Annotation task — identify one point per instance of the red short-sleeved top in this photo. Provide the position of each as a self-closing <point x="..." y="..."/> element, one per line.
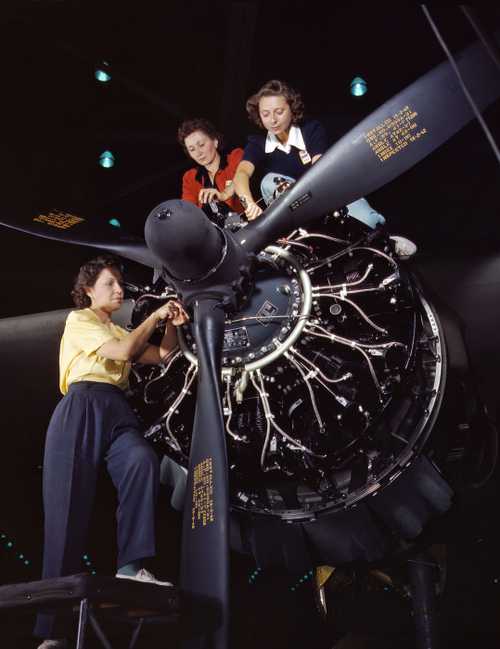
<point x="197" y="178"/>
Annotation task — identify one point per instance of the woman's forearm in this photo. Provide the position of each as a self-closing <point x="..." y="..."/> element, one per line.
<point x="135" y="343"/>
<point x="169" y="342"/>
<point x="228" y="192"/>
<point x="154" y="354"/>
<point x="242" y="186"/>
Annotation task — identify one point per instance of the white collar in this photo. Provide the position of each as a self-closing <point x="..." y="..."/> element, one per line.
<point x="294" y="139"/>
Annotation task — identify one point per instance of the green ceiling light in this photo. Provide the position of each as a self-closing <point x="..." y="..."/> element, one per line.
<point x="107" y="159"/>
<point x="101" y="74"/>
<point x="359" y="87"/>
<point x="115" y="222"/>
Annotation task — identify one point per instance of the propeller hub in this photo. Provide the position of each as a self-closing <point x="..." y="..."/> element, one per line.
<point x="200" y="259"/>
<point x="183" y="238"/>
<point x="270" y="321"/>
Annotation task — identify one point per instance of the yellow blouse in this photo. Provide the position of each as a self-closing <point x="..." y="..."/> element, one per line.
<point x="83" y="334"/>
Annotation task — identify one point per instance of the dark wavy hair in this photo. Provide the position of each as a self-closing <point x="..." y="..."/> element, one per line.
<point x="189" y="126"/>
<point x="87" y="276"/>
<point x="276" y="88"/>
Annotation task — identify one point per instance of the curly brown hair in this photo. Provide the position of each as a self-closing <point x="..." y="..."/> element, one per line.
<point x="276" y="88"/>
<point x="87" y="277"/>
<point x="189" y="126"/>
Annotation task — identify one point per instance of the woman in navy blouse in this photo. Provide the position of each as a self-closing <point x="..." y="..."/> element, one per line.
<point x="288" y="149"/>
<point x="290" y="146"/>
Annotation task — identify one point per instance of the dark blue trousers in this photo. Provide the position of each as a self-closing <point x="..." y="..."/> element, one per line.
<point x="93" y="424"/>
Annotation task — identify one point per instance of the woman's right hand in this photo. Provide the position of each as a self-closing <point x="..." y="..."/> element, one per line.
<point x="207" y="195"/>
<point x="252" y="211"/>
<point x="173" y="311"/>
<point x="163" y="312"/>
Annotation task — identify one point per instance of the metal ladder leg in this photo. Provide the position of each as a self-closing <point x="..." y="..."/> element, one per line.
<point x="99" y="632"/>
<point x="82" y="623"/>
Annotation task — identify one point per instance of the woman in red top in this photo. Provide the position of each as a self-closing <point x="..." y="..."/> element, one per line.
<point x="210" y="183"/>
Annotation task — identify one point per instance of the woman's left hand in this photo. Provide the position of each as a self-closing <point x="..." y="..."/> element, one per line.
<point x="209" y="194"/>
<point x="176" y="313"/>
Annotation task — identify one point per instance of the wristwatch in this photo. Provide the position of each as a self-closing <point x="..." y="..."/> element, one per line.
<point x="243" y="201"/>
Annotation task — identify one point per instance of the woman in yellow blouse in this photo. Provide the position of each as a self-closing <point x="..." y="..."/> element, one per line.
<point x="94" y="425"/>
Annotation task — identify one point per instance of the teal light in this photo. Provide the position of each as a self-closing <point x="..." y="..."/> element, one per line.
<point x="358" y="87"/>
<point x="115" y="222"/>
<point x="102" y="73"/>
<point x="102" y="76"/>
<point x="253" y="576"/>
<point x="9" y="545"/>
<point x="106" y="159"/>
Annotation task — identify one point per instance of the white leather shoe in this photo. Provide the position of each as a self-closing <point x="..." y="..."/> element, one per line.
<point x="403" y="247"/>
<point x="54" y="644"/>
<point x="145" y="577"/>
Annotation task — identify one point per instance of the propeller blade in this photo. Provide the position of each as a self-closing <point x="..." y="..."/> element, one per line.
<point x="384" y="145"/>
<point x="205" y="536"/>
<point x="73" y="228"/>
